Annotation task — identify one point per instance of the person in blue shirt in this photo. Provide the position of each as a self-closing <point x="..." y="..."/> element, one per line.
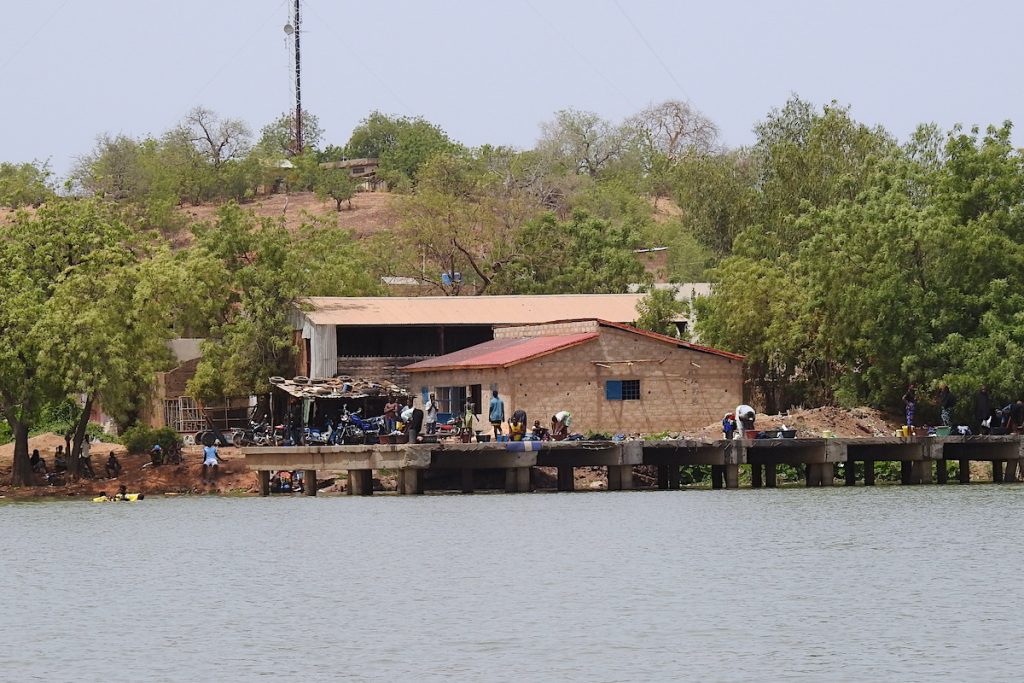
<point x="496" y="413"/>
<point x="211" y="459"/>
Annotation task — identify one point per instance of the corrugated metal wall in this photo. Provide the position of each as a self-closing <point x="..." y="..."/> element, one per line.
<point x="323" y="349"/>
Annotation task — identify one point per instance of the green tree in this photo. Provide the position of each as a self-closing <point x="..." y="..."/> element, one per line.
<point x="25" y="184"/>
<point x="74" y="276"/>
<point x="658" y="310"/>
<point x="255" y="271"/>
<point x="336" y="184"/>
<point x="277" y="139"/>
<point x="401" y="144"/>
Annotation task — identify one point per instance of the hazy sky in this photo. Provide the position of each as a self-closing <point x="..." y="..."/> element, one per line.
<point x="492" y="71"/>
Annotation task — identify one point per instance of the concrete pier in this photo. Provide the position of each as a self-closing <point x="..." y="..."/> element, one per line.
<point x="922" y="460"/>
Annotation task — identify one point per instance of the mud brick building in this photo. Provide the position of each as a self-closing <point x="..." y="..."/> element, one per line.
<point x="614" y="378"/>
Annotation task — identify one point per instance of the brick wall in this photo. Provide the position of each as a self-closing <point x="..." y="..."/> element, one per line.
<point x="378" y="368"/>
<point x="681" y="389"/>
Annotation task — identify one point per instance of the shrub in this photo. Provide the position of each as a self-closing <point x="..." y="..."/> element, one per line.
<point x="140" y="438"/>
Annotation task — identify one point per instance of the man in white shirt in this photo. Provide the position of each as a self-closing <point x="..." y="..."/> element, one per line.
<point x="431" y="411"/>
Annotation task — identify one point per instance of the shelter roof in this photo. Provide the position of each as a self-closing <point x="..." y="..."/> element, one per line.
<point x="342" y="386"/>
<point x="469" y="310"/>
<point x="501" y="353"/>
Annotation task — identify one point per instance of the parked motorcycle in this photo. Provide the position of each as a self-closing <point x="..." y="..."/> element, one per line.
<point x="312" y="436"/>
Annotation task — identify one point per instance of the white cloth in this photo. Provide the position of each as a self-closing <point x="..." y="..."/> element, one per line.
<point x="210" y="455"/>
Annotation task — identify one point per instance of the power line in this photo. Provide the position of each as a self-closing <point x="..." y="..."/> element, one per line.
<point x="651" y="49"/>
<point x="231" y="58"/>
<point x="358" y="55"/>
<point x="17" y="50"/>
<point x="563" y="38"/>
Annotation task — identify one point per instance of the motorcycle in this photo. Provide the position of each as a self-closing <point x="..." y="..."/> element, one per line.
<point x="312" y="436"/>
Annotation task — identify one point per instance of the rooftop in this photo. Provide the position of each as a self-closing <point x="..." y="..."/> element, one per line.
<point x="469" y="310"/>
<point x="501" y="353"/>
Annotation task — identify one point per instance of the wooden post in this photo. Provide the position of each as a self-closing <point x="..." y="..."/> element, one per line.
<point x="673" y="477"/>
<point x="997" y="471"/>
<point x="264" y="481"/>
<point x="566" y="478"/>
<point x="965" y="471"/>
<point x="467" y="480"/>
<point x="771" y="475"/>
<point x="732" y="476"/>
<point x="755" y="476"/>
<point x="662" y="476"/>
<point x="360" y="482"/>
<point x="620" y="477"/>
<point x="941" y="472"/>
<point x="409" y="482"/>
<point x="309" y="482"/>
<point x="850" y="473"/>
<point x="517" y="479"/>
<point x="869" y="472"/>
<point x="717" y="476"/>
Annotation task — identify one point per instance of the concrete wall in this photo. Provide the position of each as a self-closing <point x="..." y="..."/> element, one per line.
<point x="681" y="389"/>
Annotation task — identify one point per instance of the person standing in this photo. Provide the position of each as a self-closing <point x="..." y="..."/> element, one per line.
<point x="909" y="403"/>
<point x="469" y="420"/>
<point x="414" y="422"/>
<point x="113" y="466"/>
<point x="983" y="411"/>
<point x="390" y="414"/>
<point x="496" y="413"/>
<point x="946" y="402"/>
<point x="431" y="415"/>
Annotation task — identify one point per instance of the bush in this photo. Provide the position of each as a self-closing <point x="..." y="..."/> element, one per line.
<point x="140" y="438"/>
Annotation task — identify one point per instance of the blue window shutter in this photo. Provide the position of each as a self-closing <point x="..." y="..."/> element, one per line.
<point x="613" y="390"/>
<point x="426" y="394"/>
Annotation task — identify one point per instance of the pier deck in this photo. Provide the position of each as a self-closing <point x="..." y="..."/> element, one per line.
<point x="920" y="457"/>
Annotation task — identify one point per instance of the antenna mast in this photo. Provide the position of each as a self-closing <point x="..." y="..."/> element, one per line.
<point x="298" y="86"/>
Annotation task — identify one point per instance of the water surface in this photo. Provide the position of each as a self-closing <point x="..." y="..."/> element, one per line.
<point x="889" y="583"/>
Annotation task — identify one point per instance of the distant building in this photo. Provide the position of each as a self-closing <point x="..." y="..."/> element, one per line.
<point x="363" y="170"/>
<point x="613" y="378"/>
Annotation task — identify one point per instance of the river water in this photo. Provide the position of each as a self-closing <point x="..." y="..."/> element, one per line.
<point x="887" y="583"/>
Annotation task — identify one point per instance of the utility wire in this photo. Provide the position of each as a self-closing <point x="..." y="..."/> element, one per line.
<point x="231" y="58"/>
<point x="17" y="50"/>
<point x="583" y="58"/>
<point x="651" y="49"/>
<point x="358" y="55"/>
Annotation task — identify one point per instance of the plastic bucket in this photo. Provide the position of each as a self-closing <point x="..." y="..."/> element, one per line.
<point x="905" y="430"/>
<point x="943" y="431"/>
<point x="750" y="433"/>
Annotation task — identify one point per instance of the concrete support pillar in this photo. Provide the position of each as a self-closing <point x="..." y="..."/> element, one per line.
<point x="662" y="476"/>
<point x="263" y="476"/>
<point x="921" y="472"/>
<point x="732" y="476"/>
<point x="360" y="483"/>
<point x="821" y="474"/>
<point x="850" y="473"/>
<point x="771" y="475"/>
<point x="410" y="482"/>
<point x="755" y="476"/>
<point x="566" y="478"/>
<point x="309" y="482"/>
<point x="717" y="476"/>
<point x="941" y="472"/>
<point x="517" y="479"/>
<point x="869" y="472"/>
<point x="467" y="480"/>
<point x="997" y="471"/>
<point x="906" y="469"/>
<point x="620" y="477"/>
<point x="673" y="477"/>
<point x="965" y="471"/>
<point x="1011" y="470"/>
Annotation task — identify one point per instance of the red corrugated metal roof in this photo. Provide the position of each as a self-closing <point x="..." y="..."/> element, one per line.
<point x="501" y="353"/>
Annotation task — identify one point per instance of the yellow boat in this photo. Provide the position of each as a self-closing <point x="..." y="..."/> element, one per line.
<point x="117" y="498"/>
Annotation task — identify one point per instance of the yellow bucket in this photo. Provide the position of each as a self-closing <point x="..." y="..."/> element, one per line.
<point x="906" y="431"/>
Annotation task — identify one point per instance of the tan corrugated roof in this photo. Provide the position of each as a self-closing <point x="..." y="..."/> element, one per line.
<point x="470" y="310"/>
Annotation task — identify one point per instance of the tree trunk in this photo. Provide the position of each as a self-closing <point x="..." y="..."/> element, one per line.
<point x="21" y="473"/>
<point x="78" y="437"/>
